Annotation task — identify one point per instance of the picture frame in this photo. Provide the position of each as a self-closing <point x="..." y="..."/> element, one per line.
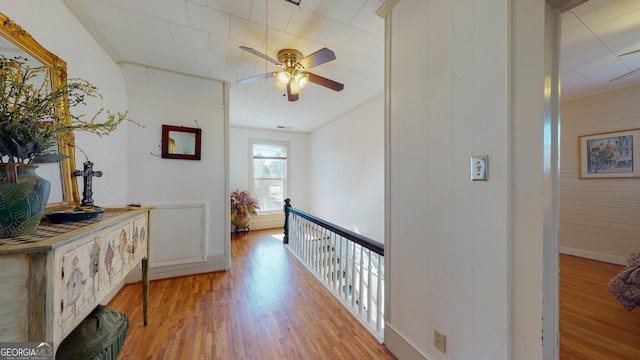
<point x="610" y="155"/>
<point x="180" y="142"/>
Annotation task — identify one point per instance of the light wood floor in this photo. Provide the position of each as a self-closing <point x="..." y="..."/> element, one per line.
<point x="269" y="307"/>
<point x="593" y="324"/>
<point x="266" y="307"/>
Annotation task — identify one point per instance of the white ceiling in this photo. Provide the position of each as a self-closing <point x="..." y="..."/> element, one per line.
<point x="202" y="38"/>
<point x="594" y="35"/>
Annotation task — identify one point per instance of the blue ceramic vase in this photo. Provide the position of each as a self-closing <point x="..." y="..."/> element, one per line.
<point x="22" y="203"/>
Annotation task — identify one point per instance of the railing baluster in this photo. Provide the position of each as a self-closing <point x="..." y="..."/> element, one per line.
<point x="352" y="283"/>
<point x="340" y="265"/>
<point x="334" y="261"/>
<point x="369" y="286"/>
<point x="379" y="300"/>
<point x="325" y="257"/>
<point x="361" y="281"/>
<point x="316" y="249"/>
<point x="349" y="265"/>
<point x="347" y="272"/>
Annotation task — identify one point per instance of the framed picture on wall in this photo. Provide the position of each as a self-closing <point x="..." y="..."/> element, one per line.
<point x="610" y="155"/>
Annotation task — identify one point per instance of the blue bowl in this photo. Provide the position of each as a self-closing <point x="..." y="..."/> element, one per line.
<point x="77" y="214"/>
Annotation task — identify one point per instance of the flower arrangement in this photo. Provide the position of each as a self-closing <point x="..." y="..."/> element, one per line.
<point x="32" y="122"/>
<point x="243" y="204"/>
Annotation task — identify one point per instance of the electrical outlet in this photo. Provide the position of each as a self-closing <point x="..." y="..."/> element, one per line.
<point x="440" y="340"/>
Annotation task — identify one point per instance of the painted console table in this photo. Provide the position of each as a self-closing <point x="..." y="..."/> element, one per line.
<point x="51" y="280"/>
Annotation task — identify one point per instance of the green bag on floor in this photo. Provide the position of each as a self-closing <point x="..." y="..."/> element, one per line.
<point x="100" y="336"/>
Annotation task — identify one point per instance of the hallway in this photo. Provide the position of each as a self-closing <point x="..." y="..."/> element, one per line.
<point x="268" y="306"/>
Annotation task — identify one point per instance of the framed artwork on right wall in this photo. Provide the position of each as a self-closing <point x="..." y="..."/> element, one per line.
<point x="610" y="155"/>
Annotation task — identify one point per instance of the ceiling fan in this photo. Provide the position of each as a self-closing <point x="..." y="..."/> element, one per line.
<point x="293" y="75"/>
<point x="629" y="73"/>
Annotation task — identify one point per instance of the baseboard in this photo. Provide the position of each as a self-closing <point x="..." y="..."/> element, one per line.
<point x="115" y="290"/>
<point x="400" y="347"/>
<point x="613" y="259"/>
<point x="267" y="221"/>
<point x="214" y="262"/>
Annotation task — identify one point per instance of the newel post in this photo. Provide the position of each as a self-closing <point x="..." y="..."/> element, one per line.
<point x="287" y="206"/>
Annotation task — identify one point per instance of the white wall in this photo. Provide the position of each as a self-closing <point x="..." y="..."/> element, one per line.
<point x="298" y="167"/>
<point x="347" y="170"/>
<point x="598" y="217"/>
<point x="337" y="171"/>
<point x="463" y="82"/>
<point x="156" y="98"/>
<point x="65" y="37"/>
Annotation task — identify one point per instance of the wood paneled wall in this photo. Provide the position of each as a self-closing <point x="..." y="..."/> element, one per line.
<point x="599" y="218"/>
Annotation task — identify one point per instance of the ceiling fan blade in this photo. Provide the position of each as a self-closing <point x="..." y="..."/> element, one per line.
<point x="323" y="81"/>
<point x="630" y="52"/>
<point x="258" y="53"/>
<point x="317" y="58"/>
<point x="625" y="75"/>
<point x="255" y="78"/>
<point x="291" y="97"/>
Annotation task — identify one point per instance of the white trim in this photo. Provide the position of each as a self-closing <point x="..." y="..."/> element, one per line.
<point x="216" y="262"/>
<point x="551" y="197"/>
<point x="204" y="243"/>
<point x="387" y="166"/>
<point x="400" y="346"/>
<point x="593" y="255"/>
<point x="227" y="156"/>
<point x="386" y="8"/>
<point x="84" y="19"/>
<point x="287" y="180"/>
<point x="267" y="221"/>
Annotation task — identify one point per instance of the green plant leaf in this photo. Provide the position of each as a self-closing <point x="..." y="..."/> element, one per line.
<point x="48" y="158"/>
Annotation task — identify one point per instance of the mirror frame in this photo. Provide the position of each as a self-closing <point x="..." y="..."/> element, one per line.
<point x="58" y="73"/>
<point x="165" y="142"/>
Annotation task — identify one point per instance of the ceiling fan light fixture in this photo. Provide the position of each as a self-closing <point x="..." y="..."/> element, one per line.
<point x="294" y="87"/>
<point x="283" y="77"/>
<point x="302" y="80"/>
<point x="282" y="87"/>
<point x="293" y="75"/>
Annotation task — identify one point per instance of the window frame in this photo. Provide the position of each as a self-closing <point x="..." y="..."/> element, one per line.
<point x="287" y="179"/>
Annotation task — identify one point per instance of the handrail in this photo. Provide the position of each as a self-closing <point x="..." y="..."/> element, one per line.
<point x="349" y="265"/>
<point x="364" y="241"/>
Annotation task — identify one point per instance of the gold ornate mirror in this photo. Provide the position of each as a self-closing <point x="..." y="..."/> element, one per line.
<point x="17" y="42"/>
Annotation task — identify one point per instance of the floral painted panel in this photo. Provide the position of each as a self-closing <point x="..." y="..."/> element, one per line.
<point x="80" y="279"/>
<point x="138" y="245"/>
<point x="116" y="258"/>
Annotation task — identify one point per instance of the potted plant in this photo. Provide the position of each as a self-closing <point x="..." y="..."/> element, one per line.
<point x="243" y="205"/>
<point x="33" y="123"/>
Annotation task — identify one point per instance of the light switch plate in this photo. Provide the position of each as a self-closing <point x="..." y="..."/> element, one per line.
<point x="480" y="168"/>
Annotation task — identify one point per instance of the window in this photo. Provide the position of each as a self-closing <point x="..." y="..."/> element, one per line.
<point x="269" y="173"/>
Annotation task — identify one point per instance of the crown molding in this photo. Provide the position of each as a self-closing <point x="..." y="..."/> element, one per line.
<point x="386" y="8"/>
<point x="81" y="15"/>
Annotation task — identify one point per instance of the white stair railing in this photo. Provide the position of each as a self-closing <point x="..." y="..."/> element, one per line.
<point x="349" y="265"/>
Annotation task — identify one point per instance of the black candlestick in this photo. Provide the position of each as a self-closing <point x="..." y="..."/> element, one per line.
<point x="88" y="175"/>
